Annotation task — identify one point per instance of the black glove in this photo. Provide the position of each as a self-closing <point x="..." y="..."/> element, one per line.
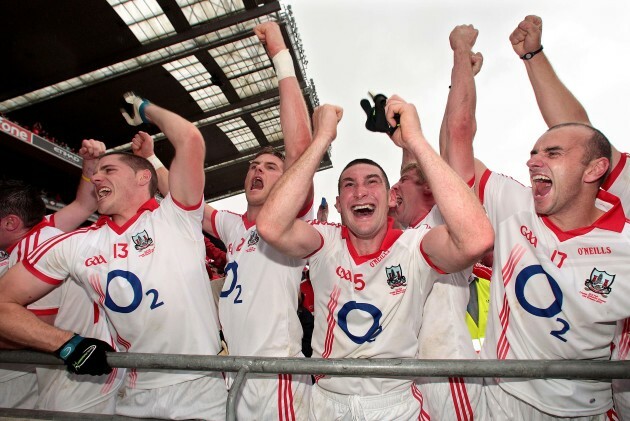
<point x="376" y="119"/>
<point x="85" y="355"/>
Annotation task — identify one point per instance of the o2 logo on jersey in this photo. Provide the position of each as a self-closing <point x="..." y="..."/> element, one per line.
<point x="547" y="312"/>
<point x="368" y="309"/>
<point x="231" y="281"/>
<point x="127" y="282"/>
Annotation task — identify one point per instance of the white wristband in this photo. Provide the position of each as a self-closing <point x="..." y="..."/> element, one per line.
<point x="157" y="164"/>
<point x="283" y="63"/>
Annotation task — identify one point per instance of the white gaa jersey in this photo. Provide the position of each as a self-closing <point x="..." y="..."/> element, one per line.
<point x="149" y="276"/>
<point x="368" y="306"/>
<point x="258" y="304"/>
<point x="58" y="388"/>
<point x="444" y="335"/>
<point x="618" y="182"/>
<point x="45" y="306"/>
<point x="554" y="294"/>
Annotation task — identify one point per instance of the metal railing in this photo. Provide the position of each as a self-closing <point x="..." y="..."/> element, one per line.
<point x="559" y="369"/>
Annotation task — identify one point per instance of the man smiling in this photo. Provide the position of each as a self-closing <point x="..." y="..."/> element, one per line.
<point x="371" y="280"/>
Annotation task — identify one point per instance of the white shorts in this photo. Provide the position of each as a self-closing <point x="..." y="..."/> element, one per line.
<point x="202" y="398"/>
<point x="400" y="406"/>
<point x="505" y="407"/>
<point x="621" y="396"/>
<point x="274" y="397"/>
<point x="20" y="392"/>
<point x="453" y="398"/>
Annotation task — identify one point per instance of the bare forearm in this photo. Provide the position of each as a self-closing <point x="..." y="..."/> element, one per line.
<point x="285" y="200"/>
<point x="557" y="104"/>
<point x="294" y="119"/>
<point x="22" y="328"/>
<point x="457" y="203"/>
<point x="460" y="124"/>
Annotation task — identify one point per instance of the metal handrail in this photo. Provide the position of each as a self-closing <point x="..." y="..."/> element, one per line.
<point x="557" y="369"/>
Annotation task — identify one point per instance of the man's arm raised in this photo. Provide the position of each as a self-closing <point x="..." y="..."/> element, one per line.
<point x="459" y="124"/>
<point x="467" y="233"/>
<point x="277" y="222"/>
<point x="74" y="214"/>
<point x="294" y="118"/>
<point x="556" y="103"/>
<point x="186" y="177"/>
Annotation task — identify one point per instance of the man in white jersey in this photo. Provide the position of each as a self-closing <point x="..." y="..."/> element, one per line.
<point x="371" y="280"/>
<point x="67" y="307"/>
<point x="559" y="245"/>
<point x="444" y="333"/>
<point x="259" y="300"/>
<point x="558" y="105"/>
<point x="144" y="263"/>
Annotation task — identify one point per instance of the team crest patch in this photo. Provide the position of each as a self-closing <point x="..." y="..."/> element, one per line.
<point x="600" y="282"/>
<point x="3" y="255"/>
<point x="395" y="277"/>
<point x="253" y="238"/>
<point x="142" y="240"/>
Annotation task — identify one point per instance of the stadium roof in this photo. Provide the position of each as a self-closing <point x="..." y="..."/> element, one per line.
<point x="67" y="65"/>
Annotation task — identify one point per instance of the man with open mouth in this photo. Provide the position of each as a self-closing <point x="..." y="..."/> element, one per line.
<point x="370" y="279"/>
<point x="560" y="246"/>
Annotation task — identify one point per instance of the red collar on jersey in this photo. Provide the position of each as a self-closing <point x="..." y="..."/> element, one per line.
<point x="149" y="205"/>
<point x="613" y="220"/>
<point x="44" y="223"/>
<point x="615" y="172"/>
<point x="248" y="224"/>
<point x="391" y="236"/>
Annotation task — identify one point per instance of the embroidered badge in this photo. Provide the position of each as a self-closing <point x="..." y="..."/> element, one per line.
<point x="395" y="277"/>
<point x="600" y="282"/>
<point x="142" y="240"/>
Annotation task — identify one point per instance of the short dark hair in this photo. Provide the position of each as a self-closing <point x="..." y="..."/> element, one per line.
<point x="23" y="200"/>
<point x="138" y="163"/>
<point x="596" y="146"/>
<point x="271" y="151"/>
<point x="362" y="161"/>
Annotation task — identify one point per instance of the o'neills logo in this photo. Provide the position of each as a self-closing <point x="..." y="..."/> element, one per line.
<point x="16" y="131"/>
<point x="66" y="154"/>
<point x="594" y="250"/>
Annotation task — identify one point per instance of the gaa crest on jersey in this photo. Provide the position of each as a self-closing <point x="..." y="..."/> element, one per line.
<point x="395" y="277"/>
<point x="253" y="238"/>
<point x="3" y="256"/>
<point x="600" y="282"/>
<point x="142" y="240"/>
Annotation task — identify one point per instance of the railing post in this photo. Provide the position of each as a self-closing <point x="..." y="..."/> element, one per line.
<point x="230" y="412"/>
